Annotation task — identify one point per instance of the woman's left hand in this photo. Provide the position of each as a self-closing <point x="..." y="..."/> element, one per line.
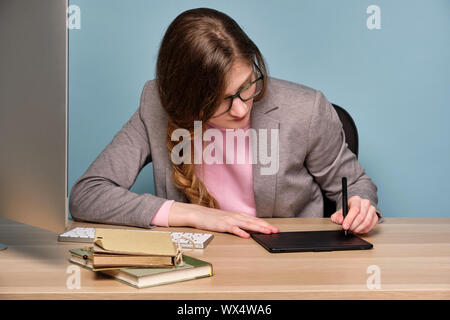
<point x="361" y="217"/>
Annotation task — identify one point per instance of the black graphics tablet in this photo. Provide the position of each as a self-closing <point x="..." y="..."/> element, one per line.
<point x="299" y="241"/>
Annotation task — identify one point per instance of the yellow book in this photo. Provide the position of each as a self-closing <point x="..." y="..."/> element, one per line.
<point x="134" y="242"/>
<point x="100" y="260"/>
<point x="120" y="248"/>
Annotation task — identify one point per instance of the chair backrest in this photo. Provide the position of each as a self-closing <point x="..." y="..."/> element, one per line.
<point x="351" y="137"/>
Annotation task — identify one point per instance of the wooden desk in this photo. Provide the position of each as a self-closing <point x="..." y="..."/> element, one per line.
<point x="413" y="255"/>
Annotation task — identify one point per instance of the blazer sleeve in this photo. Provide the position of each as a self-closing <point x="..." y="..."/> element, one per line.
<point x="328" y="158"/>
<point x="102" y="193"/>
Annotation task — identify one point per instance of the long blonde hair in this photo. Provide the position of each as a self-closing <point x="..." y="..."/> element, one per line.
<point x="195" y="56"/>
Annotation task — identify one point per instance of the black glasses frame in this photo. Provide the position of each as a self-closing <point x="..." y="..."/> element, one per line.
<point x="238" y="94"/>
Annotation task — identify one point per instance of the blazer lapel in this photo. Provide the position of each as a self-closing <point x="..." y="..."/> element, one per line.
<point x="264" y="186"/>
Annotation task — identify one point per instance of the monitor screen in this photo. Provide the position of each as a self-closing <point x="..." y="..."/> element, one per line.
<point x="33" y="112"/>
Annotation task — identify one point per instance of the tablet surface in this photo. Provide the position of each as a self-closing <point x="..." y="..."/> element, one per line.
<point x="310" y="241"/>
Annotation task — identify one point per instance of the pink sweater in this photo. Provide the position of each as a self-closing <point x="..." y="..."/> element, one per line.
<point x="230" y="184"/>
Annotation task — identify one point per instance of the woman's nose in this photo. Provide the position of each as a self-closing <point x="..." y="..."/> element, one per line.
<point x="239" y="108"/>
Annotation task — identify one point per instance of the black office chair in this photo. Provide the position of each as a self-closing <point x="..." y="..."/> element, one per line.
<point x="351" y="137"/>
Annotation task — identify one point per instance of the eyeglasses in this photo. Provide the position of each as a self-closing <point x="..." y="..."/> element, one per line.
<point x="247" y="93"/>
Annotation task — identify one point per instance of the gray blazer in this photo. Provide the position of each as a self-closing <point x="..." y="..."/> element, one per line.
<point x="313" y="154"/>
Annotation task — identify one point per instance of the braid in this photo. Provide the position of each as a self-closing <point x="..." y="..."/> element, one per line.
<point x="185" y="178"/>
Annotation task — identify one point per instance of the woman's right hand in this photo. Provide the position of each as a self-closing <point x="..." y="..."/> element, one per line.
<point x="200" y="217"/>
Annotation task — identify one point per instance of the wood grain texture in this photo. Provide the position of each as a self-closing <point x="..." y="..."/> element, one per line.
<point x="413" y="255"/>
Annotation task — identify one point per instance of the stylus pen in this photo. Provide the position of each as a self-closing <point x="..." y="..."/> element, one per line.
<point x="344" y="200"/>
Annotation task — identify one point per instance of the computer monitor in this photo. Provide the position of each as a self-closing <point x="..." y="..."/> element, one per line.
<point x="33" y="112"/>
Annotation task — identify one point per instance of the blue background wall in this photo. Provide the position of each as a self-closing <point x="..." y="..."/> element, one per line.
<point x="394" y="81"/>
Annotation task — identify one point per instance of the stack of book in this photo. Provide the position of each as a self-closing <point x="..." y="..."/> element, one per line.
<point x="139" y="258"/>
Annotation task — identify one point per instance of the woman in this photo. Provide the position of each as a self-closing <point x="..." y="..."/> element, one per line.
<point x="211" y="80"/>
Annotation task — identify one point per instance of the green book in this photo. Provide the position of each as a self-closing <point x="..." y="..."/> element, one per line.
<point x="147" y="277"/>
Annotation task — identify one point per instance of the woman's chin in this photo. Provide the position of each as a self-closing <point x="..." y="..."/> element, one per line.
<point x="232" y="123"/>
<point x="237" y="124"/>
